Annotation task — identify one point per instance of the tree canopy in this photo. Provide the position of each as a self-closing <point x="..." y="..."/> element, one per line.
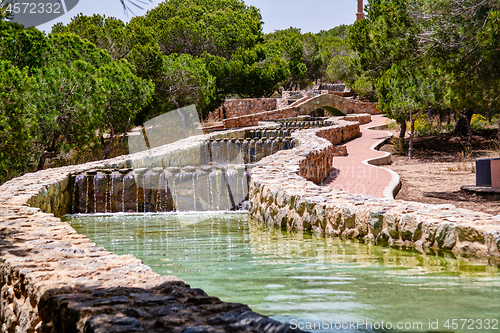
<point x="423" y="54"/>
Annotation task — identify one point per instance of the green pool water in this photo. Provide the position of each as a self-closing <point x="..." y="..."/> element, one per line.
<point x="308" y="281"/>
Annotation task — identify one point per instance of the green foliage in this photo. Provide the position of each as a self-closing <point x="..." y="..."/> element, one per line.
<point x="385" y="38"/>
<point x="225" y="34"/>
<point x="126" y="95"/>
<point x="107" y="33"/>
<point x="250" y="73"/>
<point x="333" y="43"/>
<point x="423" y="125"/>
<point x="478" y="122"/>
<point x="287" y="45"/>
<point x="185" y="80"/>
<point x="364" y="86"/>
<point x="341" y="32"/>
<point x="218" y="27"/>
<point x="17" y="125"/>
<point x="342" y="68"/>
<point x="22" y="47"/>
<point x="179" y="80"/>
<point x="69" y="103"/>
<point x="68" y="47"/>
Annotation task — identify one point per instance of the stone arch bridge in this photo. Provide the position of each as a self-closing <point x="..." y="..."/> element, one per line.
<point x="331" y="103"/>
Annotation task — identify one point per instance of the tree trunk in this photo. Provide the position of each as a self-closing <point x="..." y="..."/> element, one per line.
<point x="402" y="133"/>
<point x="498" y="128"/>
<point x="469" y="132"/>
<point x="43" y="158"/>
<point x="48" y="154"/>
<point x="108" y="147"/>
<point x="412" y="132"/>
<point x="463" y="123"/>
<point x="145" y="135"/>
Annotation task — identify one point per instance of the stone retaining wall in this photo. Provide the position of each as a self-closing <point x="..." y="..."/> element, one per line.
<point x="283" y="193"/>
<point x="318" y="164"/>
<point x="361" y="118"/>
<point x="232" y="108"/>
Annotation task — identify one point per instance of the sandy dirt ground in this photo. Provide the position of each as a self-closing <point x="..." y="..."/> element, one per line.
<point x="440" y="168"/>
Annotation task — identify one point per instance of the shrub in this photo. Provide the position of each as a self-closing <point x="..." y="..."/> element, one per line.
<point x="423" y="125"/>
<point x="478" y="122"/>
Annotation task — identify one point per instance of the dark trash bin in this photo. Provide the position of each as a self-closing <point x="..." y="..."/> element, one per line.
<point x="483" y="171"/>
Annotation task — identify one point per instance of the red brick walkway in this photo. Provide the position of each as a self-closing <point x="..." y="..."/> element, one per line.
<point x="353" y="174"/>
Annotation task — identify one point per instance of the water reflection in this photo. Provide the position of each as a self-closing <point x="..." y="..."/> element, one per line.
<point x="299" y="276"/>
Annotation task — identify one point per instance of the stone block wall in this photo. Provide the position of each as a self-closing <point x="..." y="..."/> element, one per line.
<point x="254" y="119"/>
<point x="346" y="105"/>
<point x="240" y="107"/>
<point x="283" y="193"/>
<point x="361" y="118"/>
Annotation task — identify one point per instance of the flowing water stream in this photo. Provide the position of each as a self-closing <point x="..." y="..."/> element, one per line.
<point x="306" y="280"/>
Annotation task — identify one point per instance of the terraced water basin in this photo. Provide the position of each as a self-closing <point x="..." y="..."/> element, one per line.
<point x="310" y="281"/>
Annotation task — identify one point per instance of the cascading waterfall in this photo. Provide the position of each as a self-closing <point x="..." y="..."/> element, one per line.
<point x="123" y="192"/>
<point x="217" y="188"/>
<point x="136" y="194"/>
<point x="144" y="188"/>
<point x="174" y="172"/>
<point x="267" y="147"/>
<point x="221" y="185"/>
<point x="193" y="177"/>
<point x="210" y="189"/>
<point x="87" y="196"/>
<point x="159" y="207"/>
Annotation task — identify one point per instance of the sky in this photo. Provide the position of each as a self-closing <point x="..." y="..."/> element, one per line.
<point x="309" y="16"/>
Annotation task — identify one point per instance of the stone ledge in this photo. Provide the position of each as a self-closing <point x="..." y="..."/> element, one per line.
<point x="284" y="194"/>
<point x="480" y="189"/>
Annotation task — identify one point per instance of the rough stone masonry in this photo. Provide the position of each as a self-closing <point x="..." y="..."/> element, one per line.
<point x="284" y="193"/>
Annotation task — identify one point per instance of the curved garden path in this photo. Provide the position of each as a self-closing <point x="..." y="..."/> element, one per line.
<point x="358" y="171"/>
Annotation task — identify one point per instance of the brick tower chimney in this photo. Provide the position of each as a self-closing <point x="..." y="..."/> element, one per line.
<point x="360" y="15"/>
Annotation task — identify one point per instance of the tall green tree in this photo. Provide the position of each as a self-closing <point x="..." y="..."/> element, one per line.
<point x="126" y="95"/>
<point x="68" y="47"/>
<point x="218" y="27"/>
<point x="287" y="44"/>
<point x="107" y="33"/>
<point x="69" y="102"/>
<point x="17" y="121"/>
<point x="22" y="47"/>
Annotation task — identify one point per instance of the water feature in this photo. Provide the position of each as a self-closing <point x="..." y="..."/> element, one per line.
<point x="303" y="278"/>
<point x="206" y="188"/>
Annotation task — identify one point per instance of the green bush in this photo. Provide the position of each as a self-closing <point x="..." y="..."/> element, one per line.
<point x="478" y="122"/>
<point x="423" y="125"/>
